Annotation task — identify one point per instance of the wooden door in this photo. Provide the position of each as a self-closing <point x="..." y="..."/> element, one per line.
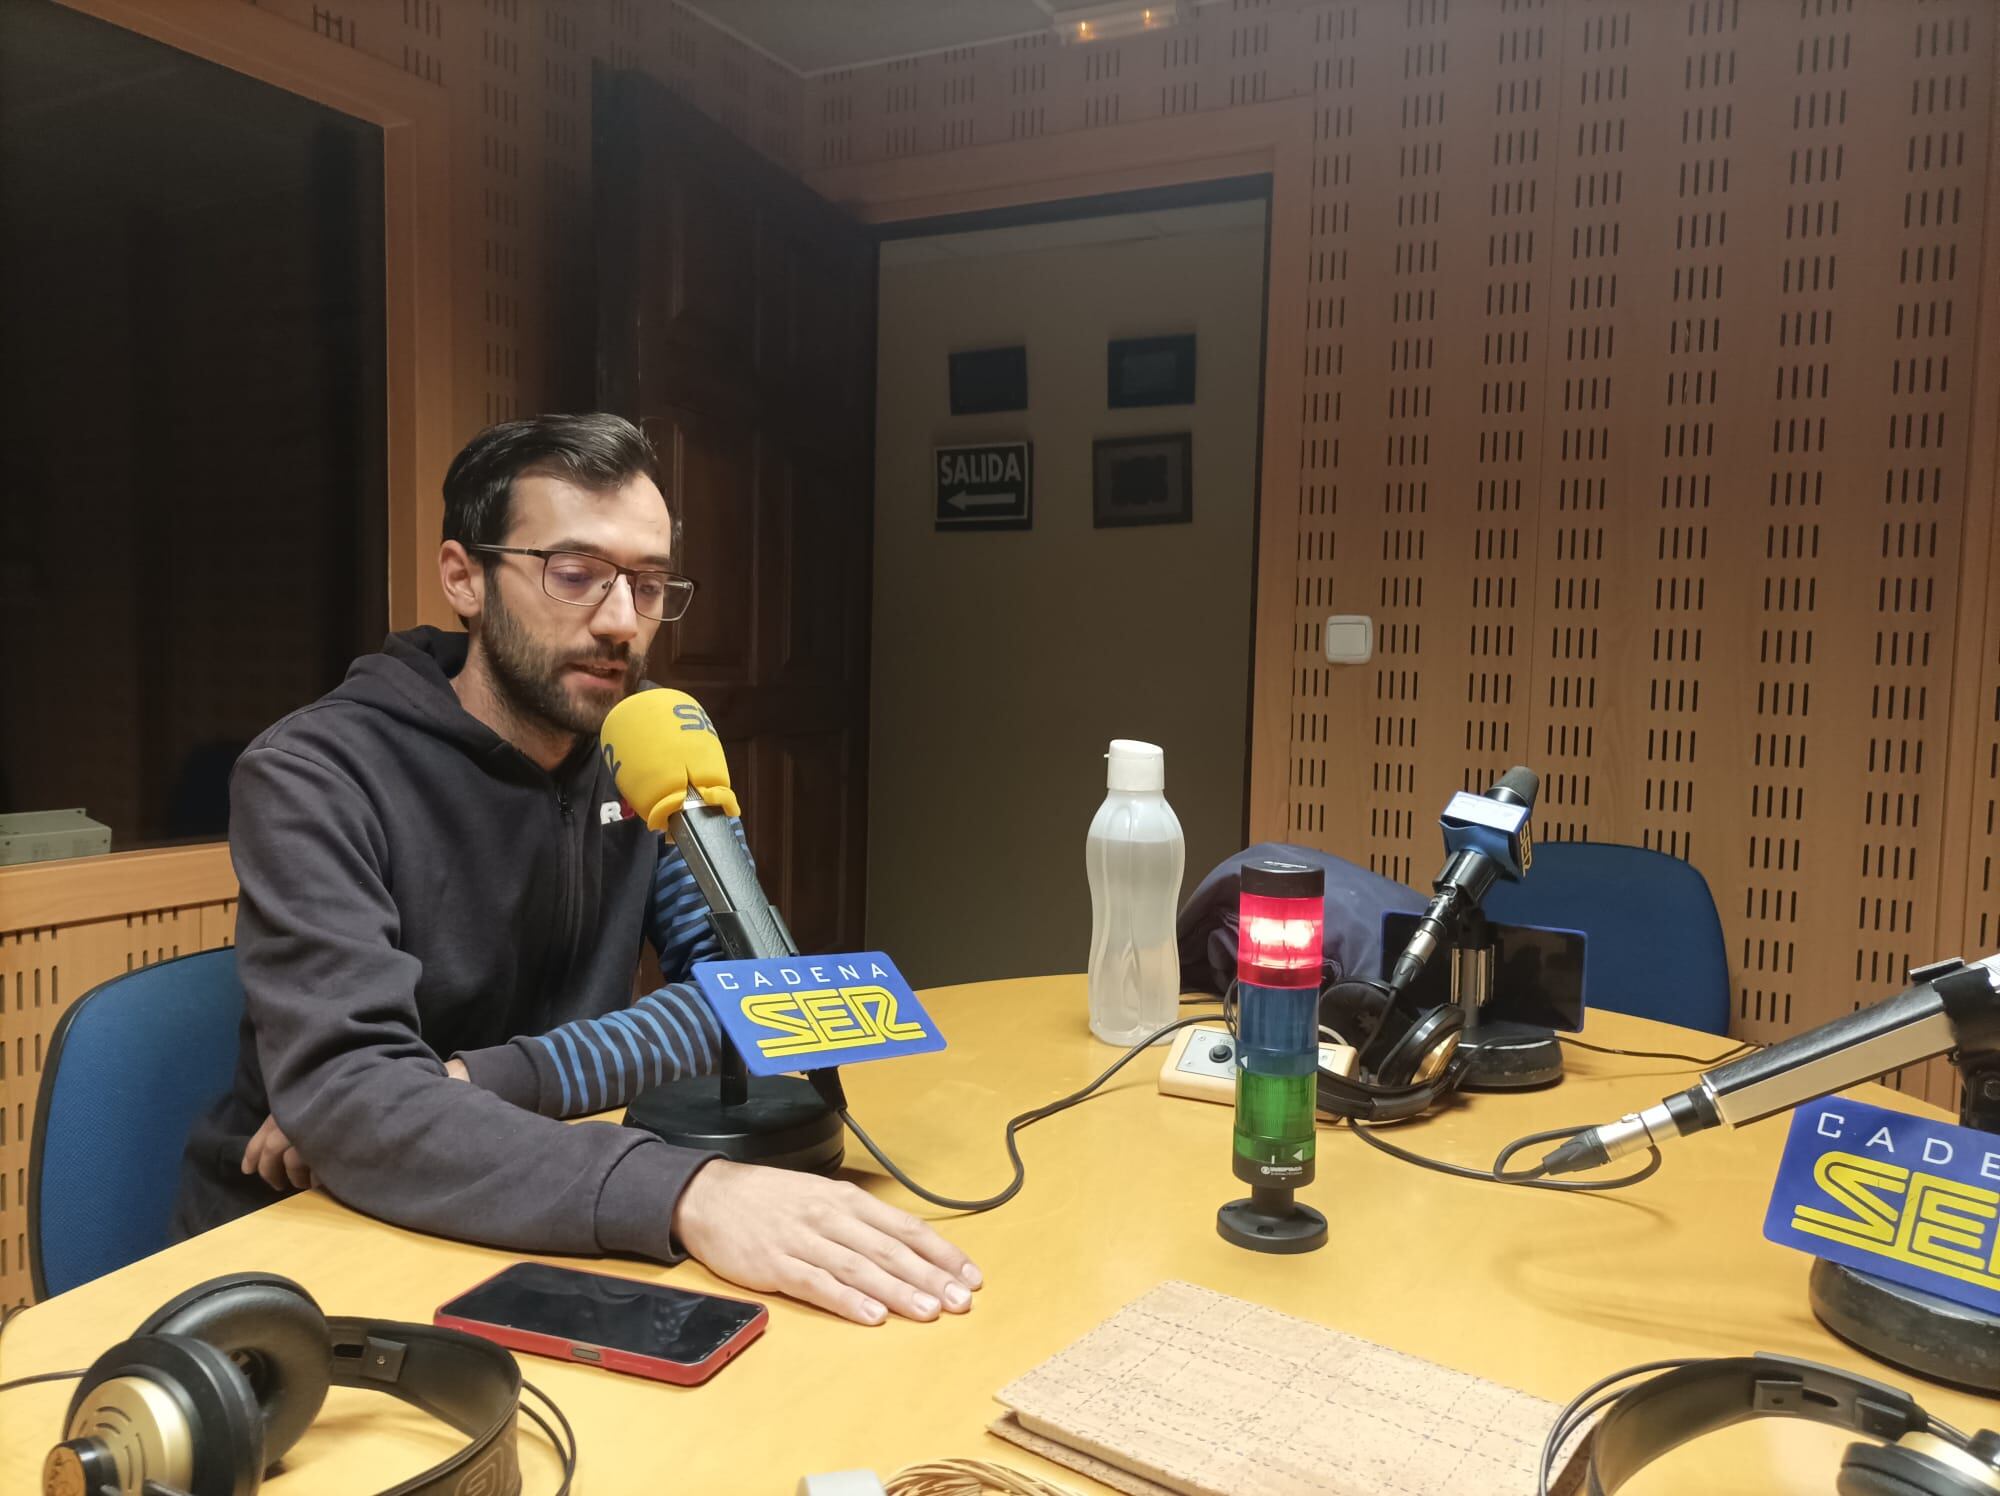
<point x="736" y="322"/>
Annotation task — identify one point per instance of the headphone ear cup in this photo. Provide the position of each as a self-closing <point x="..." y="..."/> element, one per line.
<point x="1425" y="1048"/>
<point x="272" y="1330"/>
<point x="1413" y="1057"/>
<point x="1886" y="1470"/>
<point x="1354" y="1009"/>
<point x="220" y="1448"/>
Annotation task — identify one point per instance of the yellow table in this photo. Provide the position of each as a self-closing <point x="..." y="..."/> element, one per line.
<point x="1541" y="1291"/>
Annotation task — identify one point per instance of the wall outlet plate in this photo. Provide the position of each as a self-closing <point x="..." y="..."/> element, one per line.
<point x="1201" y="1064"/>
<point x="1350" y="639"/>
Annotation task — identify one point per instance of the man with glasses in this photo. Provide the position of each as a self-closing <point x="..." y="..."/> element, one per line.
<point x="441" y="912"/>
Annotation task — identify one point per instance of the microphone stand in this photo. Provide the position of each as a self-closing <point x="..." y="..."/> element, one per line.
<point x="1500" y="1054"/>
<point x="784" y="1121"/>
<point x="1907" y="1327"/>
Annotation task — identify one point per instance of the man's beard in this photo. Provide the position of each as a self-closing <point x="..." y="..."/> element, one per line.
<point x="528" y="675"/>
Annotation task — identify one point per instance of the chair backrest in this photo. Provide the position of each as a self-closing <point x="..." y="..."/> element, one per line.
<point x="1655" y="940"/>
<point x="130" y="1066"/>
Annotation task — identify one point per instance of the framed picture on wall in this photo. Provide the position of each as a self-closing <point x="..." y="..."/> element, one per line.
<point x="982" y="381"/>
<point x="1142" y="480"/>
<point x="1149" y="371"/>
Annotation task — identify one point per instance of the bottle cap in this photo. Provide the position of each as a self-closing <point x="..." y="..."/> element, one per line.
<point x="1135" y="765"/>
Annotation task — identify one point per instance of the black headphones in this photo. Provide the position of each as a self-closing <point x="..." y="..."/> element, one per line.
<point x="1408" y="1061"/>
<point x="1922" y="1456"/>
<point x="217" y="1384"/>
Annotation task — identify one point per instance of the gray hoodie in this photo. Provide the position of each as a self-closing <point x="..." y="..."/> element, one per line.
<point x="413" y="887"/>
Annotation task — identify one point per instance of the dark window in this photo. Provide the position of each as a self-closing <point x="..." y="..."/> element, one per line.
<point x="192" y="417"/>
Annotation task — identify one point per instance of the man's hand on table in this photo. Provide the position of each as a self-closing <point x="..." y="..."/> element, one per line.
<point x="833" y="1245"/>
<point x="271" y="1156"/>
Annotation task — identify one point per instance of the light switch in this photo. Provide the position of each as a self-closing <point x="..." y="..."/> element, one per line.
<point x="1350" y="639"/>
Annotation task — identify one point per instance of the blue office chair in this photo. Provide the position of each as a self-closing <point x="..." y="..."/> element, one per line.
<point x="1655" y="940"/>
<point x="130" y="1066"/>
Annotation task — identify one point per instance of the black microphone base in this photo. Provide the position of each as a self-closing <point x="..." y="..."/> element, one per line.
<point x="783" y="1124"/>
<point x="1908" y="1328"/>
<point x="1502" y="1055"/>
<point x="1271" y="1221"/>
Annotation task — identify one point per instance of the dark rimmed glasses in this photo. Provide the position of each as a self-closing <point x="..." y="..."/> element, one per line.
<point x="585" y="581"/>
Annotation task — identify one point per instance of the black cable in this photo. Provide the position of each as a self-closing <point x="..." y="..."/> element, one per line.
<point x="7" y="1317"/>
<point x="1498" y="1174"/>
<point x="1014" y="1125"/>
<point x="1662" y="1054"/>
<point x="46" y="1376"/>
<point x="566" y="1455"/>
<point x="1525" y="1178"/>
<point x="1227" y="999"/>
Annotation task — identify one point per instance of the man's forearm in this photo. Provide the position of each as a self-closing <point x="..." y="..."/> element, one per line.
<point x="598" y="1063"/>
<point x="421" y="1151"/>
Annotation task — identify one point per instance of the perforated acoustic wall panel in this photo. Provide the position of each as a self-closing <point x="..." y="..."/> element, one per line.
<point x="1637" y="412"/>
<point x="1570" y="636"/>
<point x="1955" y="102"/>
<point x="1604" y="544"/>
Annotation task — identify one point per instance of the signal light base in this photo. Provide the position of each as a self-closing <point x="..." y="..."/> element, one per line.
<point x="1271" y="1221"/>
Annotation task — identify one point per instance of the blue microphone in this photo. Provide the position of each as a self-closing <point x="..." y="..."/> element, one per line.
<point x="1486" y="838"/>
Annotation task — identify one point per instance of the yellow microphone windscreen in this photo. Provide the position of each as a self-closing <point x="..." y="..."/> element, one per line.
<point x="658" y="744"/>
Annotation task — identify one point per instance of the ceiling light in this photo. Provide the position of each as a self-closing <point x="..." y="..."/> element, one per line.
<point x="1104" y="22"/>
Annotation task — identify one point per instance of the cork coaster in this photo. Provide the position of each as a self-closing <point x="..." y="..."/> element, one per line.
<point x="1191" y="1392"/>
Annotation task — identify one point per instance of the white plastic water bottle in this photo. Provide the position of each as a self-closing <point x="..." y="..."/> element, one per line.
<point x="1134" y="856"/>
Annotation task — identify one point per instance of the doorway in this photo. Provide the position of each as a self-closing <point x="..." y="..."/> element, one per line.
<point x="736" y="324"/>
<point x="1005" y="658"/>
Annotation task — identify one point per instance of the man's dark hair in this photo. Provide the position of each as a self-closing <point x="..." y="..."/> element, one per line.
<point x="596" y="451"/>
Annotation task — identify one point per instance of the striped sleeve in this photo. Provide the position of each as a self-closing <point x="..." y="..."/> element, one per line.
<point x="679" y="926"/>
<point x="597" y="1063"/>
<point x="594" y="1064"/>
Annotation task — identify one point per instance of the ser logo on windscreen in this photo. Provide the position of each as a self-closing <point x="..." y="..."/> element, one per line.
<point x="830" y="1018"/>
<point x="804" y="1012"/>
<point x="1907" y="1198"/>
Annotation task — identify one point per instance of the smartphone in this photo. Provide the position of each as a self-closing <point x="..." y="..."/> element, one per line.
<point x="642" y="1329"/>
<point x="1537" y="973"/>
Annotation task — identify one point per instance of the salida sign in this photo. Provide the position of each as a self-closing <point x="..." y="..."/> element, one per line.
<point x="987" y="487"/>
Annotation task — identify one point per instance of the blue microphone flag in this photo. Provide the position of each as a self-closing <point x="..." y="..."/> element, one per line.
<point x="790" y="1013"/>
<point x="1903" y="1197"/>
<point x="1478" y="823"/>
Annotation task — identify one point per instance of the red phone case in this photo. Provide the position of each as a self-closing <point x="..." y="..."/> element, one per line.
<point x="680" y="1373"/>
